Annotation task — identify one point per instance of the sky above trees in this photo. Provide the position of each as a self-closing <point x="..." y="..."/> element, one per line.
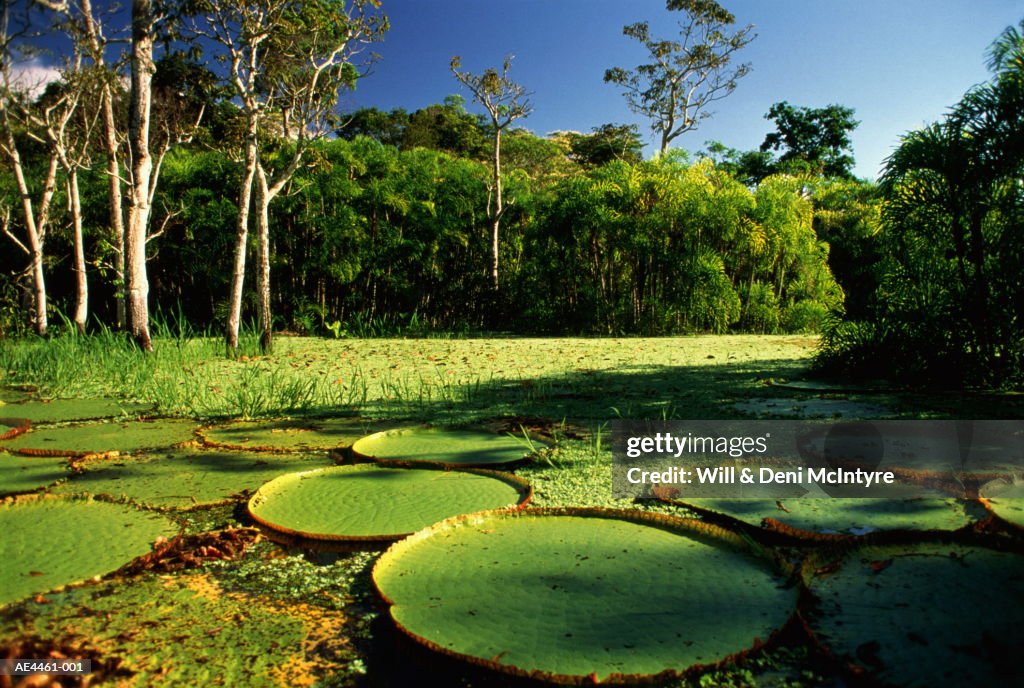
<point x="898" y="64"/>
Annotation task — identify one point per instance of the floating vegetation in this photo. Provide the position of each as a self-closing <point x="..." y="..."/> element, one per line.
<point x="307" y="434"/>
<point x="809" y="517"/>
<point x="370" y="502"/>
<point x="20" y="474"/>
<point x="51" y="542"/>
<point x="185" y="478"/>
<point x="445" y="447"/>
<point x="64" y="410"/>
<point x="12" y="427"/>
<point x="576" y="595"/>
<point x="926" y="614"/>
<point x="102" y="438"/>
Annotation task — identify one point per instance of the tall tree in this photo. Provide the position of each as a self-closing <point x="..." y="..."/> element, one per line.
<point x="21" y="119"/>
<point x="818" y="138"/>
<point x="684" y="76"/>
<point x="142" y="182"/>
<point x="288" y="59"/>
<point x="85" y="28"/>
<point x="505" y="101"/>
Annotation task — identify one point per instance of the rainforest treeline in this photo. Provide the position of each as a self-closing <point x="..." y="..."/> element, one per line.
<point x="369" y="231"/>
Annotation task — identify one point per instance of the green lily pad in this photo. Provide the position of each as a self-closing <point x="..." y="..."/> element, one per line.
<point x="1006" y="502"/>
<point x="12" y="427"/>
<point x="285" y="435"/>
<point x="12" y="395"/>
<point x="53" y="542"/>
<point x="61" y="410"/>
<point x="848" y="516"/>
<point x="575" y="595"/>
<point x="370" y="502"/>
<point x="102" y="438"/>
<point x="925" y="614"/>
<point x="184" y="478"/>
<point x="444" y="447"/>
<point x="28" y="473"/>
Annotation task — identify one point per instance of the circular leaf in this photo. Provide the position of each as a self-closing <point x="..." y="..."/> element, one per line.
<point x="102" y="438"/>
<point x="370" y="502"/>
<point x="586" y="594"/>
<point x="52" y="542"/>
<point x="286" y="435"/>
<point x="12" y="427"/>
<point x="185" y="478"/>
<point x="444" y="447"/>
<point x="925" y="614"/>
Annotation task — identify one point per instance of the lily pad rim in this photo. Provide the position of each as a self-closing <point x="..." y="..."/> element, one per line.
<point x="521" y="485"/>
<point x="993" y="512"/>
<point x="18" y="426"/>
<point x="684" y="527"/>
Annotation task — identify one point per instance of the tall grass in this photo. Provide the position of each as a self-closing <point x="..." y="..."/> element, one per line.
<point x="189" y="374"/>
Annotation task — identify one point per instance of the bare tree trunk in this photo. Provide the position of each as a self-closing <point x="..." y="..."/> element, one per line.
<point x="499" y="208"/>
<point x="263" y="198"/>
<point x="35" y="226"/>
<point x="142" y="171"/>
<point x="116" y="200"/>
<point x="241" y="239"/>
<point x="81" y="280"/>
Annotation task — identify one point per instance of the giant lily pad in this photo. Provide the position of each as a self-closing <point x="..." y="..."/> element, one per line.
<point x="924" y="615"/>
<point x="185" y="478"/>
<point x="444" y="447"/>
<point x="369" y="502"/>
<point x="1006" y="502"/>
<point x="286" y="435"/>
<point x="809" y="517"/>
<point x="11" y="395"/>
<point x="12" y="427"/>
<point x="102" y="438"/>
<point x="577" y="595"/>
<point x="27" y="473"/>
<point x="61" y="410"/>
<point x="53" y="542"/>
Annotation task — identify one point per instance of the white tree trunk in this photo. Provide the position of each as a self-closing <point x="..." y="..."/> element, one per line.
<point x="499" y="208"/>
<point x="241" y="238"/>
<point x="116" y="200"/>
<point x="142" y="171"/>
<point x="81" y="280"/>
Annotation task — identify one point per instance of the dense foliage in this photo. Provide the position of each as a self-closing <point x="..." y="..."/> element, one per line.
<point x="368" y="232"/>
<point x="949" y="304"/>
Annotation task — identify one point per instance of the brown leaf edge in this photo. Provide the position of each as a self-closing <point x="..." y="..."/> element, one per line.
<point x="18" y="426"/>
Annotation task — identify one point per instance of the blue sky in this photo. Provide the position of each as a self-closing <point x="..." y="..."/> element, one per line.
<point x="900" y="64"/>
